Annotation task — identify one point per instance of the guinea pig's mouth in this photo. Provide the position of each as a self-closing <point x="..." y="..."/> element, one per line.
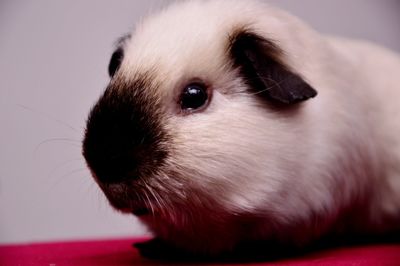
<point x="138" y="211"/>
<point x="125" y="200"/>
<point x="141" y="211"/>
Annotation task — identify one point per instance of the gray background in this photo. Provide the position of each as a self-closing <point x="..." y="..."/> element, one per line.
<point x="53" y="60"/>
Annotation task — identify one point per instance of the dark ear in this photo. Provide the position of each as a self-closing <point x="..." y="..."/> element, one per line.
<point x="117" y="56"/>
<point x="115" y="61"/>
<point x="260" y="65"/>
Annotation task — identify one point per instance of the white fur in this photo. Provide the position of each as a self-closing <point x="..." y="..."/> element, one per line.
<point x="239" y="171"/>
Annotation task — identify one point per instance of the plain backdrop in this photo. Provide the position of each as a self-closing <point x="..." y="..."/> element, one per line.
<point x="53" y="61"/>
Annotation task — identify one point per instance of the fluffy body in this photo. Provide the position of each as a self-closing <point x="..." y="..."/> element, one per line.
<point x="241" y="171"/>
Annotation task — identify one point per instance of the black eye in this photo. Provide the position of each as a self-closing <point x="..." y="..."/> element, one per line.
<point x="193" y="97"/>
<point x="115" y="61"/>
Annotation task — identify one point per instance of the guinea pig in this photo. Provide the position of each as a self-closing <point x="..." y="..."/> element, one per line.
<point x="233" y="121"/>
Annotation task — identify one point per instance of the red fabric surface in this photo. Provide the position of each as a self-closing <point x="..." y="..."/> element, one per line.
<point x="121" y="252"/>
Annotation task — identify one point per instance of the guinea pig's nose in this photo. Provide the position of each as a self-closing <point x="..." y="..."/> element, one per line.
<point x="109" y="151"/>
<point x="113" y="143"/>
<point x="124" y="138"/>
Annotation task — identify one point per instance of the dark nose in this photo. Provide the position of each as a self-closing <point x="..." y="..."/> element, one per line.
<point x="116" y="140"/>
<point x="108" y="148"/>
<point x="110" y="154"/>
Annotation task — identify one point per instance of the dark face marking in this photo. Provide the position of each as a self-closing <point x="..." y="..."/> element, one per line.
<point x="258" y="60"/>
<point x="124" y="139"/>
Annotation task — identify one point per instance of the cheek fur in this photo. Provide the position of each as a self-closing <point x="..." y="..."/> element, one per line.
<point x="247" y="165"/>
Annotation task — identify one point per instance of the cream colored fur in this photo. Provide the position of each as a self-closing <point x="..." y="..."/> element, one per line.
<point x="239" y="171"/>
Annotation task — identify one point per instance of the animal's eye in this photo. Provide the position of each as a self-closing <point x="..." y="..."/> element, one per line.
<point x="115" y="61"/>
<point x="193" y="97"/>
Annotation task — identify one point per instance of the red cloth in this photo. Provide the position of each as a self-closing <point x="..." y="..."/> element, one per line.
<point x="121" y="252"/>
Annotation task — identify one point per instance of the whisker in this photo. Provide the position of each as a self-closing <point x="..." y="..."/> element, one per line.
<point x="276" y="84"/>
<point x="151" y="190"/>
<point x="149" y="203"/>
<point x="72" y="142"/>
<point x="48" y="117"/>
<point x="54" y="187"/>
<point x="72" y="172"/>
<point x="58" y="179"/>
<point x="141" y="200"/>
<point x="62" y="165"/>
<point x="101" y="198"/>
